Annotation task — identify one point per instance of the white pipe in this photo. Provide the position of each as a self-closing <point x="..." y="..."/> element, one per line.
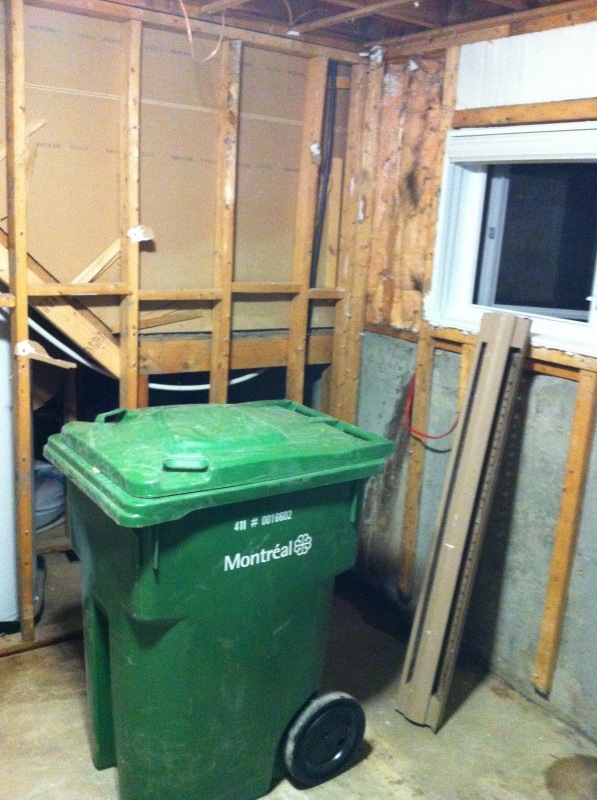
<point x="9" y="598"/>
<point x="202" y="387"/>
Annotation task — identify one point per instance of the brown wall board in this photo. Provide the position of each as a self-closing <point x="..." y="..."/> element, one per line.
<point x="71" y="82"/>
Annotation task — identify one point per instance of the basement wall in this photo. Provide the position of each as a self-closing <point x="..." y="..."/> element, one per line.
<point x="503" y="626"/>
<point x="507" y="604"/>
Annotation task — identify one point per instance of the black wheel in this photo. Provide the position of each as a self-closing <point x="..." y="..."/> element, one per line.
<point x="323" y="738"/>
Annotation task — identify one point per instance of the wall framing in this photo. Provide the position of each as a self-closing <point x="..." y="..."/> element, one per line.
<point x="122" y="351"/>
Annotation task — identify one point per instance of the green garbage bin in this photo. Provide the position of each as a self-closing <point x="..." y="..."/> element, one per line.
<point x="209" y="538"/>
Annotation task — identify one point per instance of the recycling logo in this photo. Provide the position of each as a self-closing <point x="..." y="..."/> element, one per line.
<point x="302" y="544"/>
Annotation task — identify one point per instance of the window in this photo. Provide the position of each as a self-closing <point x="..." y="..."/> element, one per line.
<point x="517" y="230"/>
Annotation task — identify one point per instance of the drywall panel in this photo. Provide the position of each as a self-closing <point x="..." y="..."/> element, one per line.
<point x="559" y="64"/>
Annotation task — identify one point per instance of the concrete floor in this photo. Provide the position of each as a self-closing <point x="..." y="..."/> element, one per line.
<point x="494" y="746"/>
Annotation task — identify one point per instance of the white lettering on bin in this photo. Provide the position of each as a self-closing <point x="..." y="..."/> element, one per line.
<point x="297" y="547"/>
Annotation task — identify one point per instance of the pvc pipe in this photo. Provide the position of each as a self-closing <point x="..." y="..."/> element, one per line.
<point x="9" y="596"/>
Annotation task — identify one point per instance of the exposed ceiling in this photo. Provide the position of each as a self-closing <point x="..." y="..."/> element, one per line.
<point x="355" y="24"/>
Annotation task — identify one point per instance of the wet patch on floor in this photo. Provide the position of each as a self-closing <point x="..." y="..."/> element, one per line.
<point x="573" y="778"/>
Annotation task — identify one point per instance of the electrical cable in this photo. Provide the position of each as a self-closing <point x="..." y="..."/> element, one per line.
<point x="407" y="415"/>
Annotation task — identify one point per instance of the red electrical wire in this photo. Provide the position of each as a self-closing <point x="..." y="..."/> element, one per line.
<point x="407" y="410"/>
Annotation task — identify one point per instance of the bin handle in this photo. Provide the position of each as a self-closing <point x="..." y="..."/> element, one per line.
<point x="351" y="430"/>
<point x="112" y="416"/>
<point x="186" y="463"/>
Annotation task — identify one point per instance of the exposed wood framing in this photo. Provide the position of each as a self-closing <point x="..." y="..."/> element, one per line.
<point x="105" y="260"/>
<point x="305" y="225"/>
<point x="332" y="223"/>
<point x="168" y="354"/>
<point x="527" y="114"/>
<point x="348" y="16"/>
<point x="386" y="201"/>
<point x="276" y="41"/>
<point x="129" y="212"/>
<point x="77" y="289"/>
<point x="356" y="226"/>
<point x="16" y="184"/>
<point x="225" y="219"/>
<point x="143" y="391"/>
<point x="577" y="465"/>
<point x="466" y="360"/>
<point x="78" y="324"/>
<point x="30" y="128"/>
<point x="179" y="295"/>
<point x="538" y="19"/>
<point x="7" y="300"/>
<point x="545" y="360"/>
<point x="266" y="288"/>
<point x="429" y="101"/>
<point x="416" y="462"/>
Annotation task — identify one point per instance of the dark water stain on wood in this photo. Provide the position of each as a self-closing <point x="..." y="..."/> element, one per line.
<point x="573" y="778"/>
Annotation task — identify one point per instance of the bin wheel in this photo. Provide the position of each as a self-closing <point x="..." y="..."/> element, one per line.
<point x="323" y="738"/>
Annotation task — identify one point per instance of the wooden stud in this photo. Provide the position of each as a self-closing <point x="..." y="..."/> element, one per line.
<point x="577" y="466"/>
<point x="225" y="219"/>
<point x="305" y="225"/>
<point x="16" y="185"/>
<point x="30" y="129"/>
<point x="355" y="246"/>
<point x="414" y="480"/>
<point x="332" y="223"/>
<point x="143" y="391"/>
<point x="348" y="228"/>
<point x="129" y="212"/>
<point x="386" y="202"/>
<point x="466" y="361"/>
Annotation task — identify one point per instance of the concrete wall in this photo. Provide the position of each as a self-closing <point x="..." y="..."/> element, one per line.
<point x="507" y="604"/>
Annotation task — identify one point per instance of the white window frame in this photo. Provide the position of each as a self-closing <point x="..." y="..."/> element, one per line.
<point x="468" y="154"/>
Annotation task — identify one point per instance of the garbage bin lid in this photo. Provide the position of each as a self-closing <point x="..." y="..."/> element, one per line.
<point x="171" y="450"/>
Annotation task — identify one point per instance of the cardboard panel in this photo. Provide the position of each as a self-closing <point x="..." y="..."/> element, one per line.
<point x="73" y="200"/>
<point x="73" y="77"/>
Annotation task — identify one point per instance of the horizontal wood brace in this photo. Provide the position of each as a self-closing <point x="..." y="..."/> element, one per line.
<point x="326" y="294"/>
<point x="169" y="354"/>
<point x="527" y="113"/>
<point x="180" y="295"/>
<point x="543" y="360"/>
<point x="519" y="22"/>
<point x="73" y="289"/>
<point x="7" y="300"/>
<point x="266" y="288"/>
